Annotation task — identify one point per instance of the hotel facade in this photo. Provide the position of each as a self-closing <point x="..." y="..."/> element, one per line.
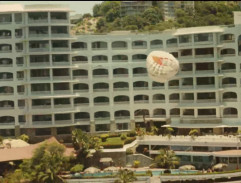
<point x="52" y="81"/>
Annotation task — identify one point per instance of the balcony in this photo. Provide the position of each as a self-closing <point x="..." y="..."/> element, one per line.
<point x="40" y="78"/>
<point x="158" y="101"/>
<point x="41" y="106"/>
<point x="45" y="49"/>
<point x="60" y="49"/>
<point x="42" y="123"/>
<point x="57" y="92"/>
<point x="40" y="92"/>
<point x="5" y="19"/>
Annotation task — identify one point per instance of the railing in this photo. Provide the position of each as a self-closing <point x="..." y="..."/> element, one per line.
<point x="100" y="76"/>
<point x="39" y="63"/>
<point x="62" y="92"/>
<point x="35" y="21"/>
<point x="230" y="115"/>
<point x="140" y="88"/>
<point x="6" y="79"/>
<point x="1" y="22"/>
<point x="174" y="101"/>
<point x="228" y="71"/>
<point x="38" y="49"/>
<point x="227" y="41"/>
<point x="79" y="104"/>
<point x="101" y="103"/>
<point x="6" y="65"/>
<point x="38" y="35"/>
<point x="40" y="78"/>
<point x="170" y="45"/>
<point x="203" y="42"/>
<point x="41" y="106"/>
<point x="121" y="102"/>
<point x="5" y="51"/>
<point x="119" y="48"/>
<point x="206" y="116"/>
<point x="185" y="44"/>
<point x="61" y="49"/>
<point x="8" y="123"/>
<point x="141" y="101"/>
<point x="204" y="56"/>
<point x="158" y="101"/>
<point x="81" y="120"/>
<point x="64" y="63"/>
<point x="204" y="71"/>
<point x="156" y="46"/>
<point x="229" y="85"/>
<point x="80" y="48"/>
<point x="206" y="100"/>
<point x="102" y="118"/>
<point x="138" y="60"/>
<point x="140" y="75"/>
<point x="6" y="93"/>
<point x="5" y="37"/>
<point x="59" y="21"/>
<point x="6" y="107"/>
<point x="139" y="47"/>
<point x="187" y="101"/>
<point x="42" y="122"/>
<point x="101" y="89"/>
<point x="61" y="77"/>
<point x="159" y="116"/>
<point x="173" y="87"/>
<point x="205" y="86"/>
<point x="81" y="90"/>
<point x="40" y="92"/>
<point x="158" y="87"/>
<point x="122" y="117"/>
<point x="119" y="60"/>
<point x="80" y="77"/>
<point x="60" y="35"/>
<point x="59" y="122"/>
<point x="121" y="89"/>
<point x="99" y="61"/>
<point x="228" y="55"/>
<point x="80" y="62"/>
<point x="230" y="100"/>
<point x="96" y="49"/>
<point x="120" y="75"/>
<point x="62" y="106"/>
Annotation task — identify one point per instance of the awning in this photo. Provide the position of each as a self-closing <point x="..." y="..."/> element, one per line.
<point x="201" y="125"/>
<point x="106" y="160"/>
<point x="198" y="30"/>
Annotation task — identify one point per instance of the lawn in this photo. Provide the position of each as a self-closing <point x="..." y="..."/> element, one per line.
<point x="116" y="142"/>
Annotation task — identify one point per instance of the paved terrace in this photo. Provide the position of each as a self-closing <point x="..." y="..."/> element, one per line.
<point x="208" y="140"/>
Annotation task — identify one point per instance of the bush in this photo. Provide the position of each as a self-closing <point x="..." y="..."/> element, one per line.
<point x="129" y="151"/>
<point x="136" y="164"/>
<point x="167" y="171"/>
<point x="104" y="137"/>
<point x="149" y="173"/>
<point x="77" y="168"/>
<point x="129" y="140"/>
<point x="114" y="135"/>
<point x="24" y="137"/>
<point x="131" y="134"/>
<point x="123" y="136"/>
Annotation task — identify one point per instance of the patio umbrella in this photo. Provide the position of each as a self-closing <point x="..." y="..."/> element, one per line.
<point x="187" y="167"/>
<point x="219" y="166"/>
<point x="92" y="170"/>
<point x="111" y="169"/>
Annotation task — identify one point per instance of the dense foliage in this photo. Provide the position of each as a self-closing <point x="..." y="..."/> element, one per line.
<point x="205" y="13"/>
<point x="166" y="159"/>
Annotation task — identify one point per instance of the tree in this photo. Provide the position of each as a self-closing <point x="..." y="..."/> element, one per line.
<point x="193" y="133"/>
<point x="125" y="176"/>
<point x="24" y="137"/>
<point x="87" y="15"/>
<point x="152" y="15"/>
<point x="101" y="24"/>
<point x="96" y="10"/>
<point x="83" y="143"/>
<point x="166" y="159"/>
<point x="106" y="6"/>
<point x="168" y="132"/>
<point x="46" y="164"/>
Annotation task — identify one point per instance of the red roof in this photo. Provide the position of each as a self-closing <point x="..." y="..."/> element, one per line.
<point x="20" y="153"/>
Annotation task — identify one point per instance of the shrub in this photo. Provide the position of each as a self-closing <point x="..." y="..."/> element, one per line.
<point x="112" y="146"/>
<point x="167" y="171"/>
<point x="131" y="134"/>
<point x="123" y="136"/>
<point x="104" y="137"/>
<point x="24" y="137"/>
<point x="114" y="135"/>
<point x="136" y="164"/>
<point x="129" y="151"/>
<point x="149" y="173"/>
<point x="129" y="140"/>
<point x="77" y="168"/>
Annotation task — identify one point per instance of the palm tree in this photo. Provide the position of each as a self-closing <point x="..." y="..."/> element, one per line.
<point x="166" y="159"/>
<point x="125" y="176"/>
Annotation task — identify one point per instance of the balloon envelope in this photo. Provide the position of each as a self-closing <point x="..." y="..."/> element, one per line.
<point x="161" y="66"/>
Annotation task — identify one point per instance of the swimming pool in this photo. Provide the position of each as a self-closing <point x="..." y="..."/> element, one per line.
<point x="154" y="172"/>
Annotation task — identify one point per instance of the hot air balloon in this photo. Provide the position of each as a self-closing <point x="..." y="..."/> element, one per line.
<point x="161" y="66"/>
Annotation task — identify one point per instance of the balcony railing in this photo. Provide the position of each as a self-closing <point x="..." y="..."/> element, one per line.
<point x="6" y="79"/>
<point x="80" y="104"/>
<point x="139" y="47"/>
<point x="121" y="102"/>
<point x="101" y="103"/>
<point x="203" y="42"/>
<point x="62" y="122"/>
<point x="38" y="35"/>
<point x="119" y="60"/>
<point x="63" y="63"/>
<point x="101" y="89"/>
<point x="140" y="88"/>
<point x="206" y="100"/>
<point x="40" y="78"/>
<point x="62" y="92"/>
<point x="41" y="106"/>
<point x="141" y="101"/>
<point x="204" y="56"/>
<point x="39" y="63"/>
<point x="171" y="45"/>
<point x="230" y="115"/>
<point x="230" y="100"/>
<point x="228" y="71"/>
<point x="174" y="101"/>
<point x="61" y="77"/>
<point x="206" y="86"/>
<point x="5" y="51"/>
<point x="59" y="21"/>
<point x="81" y="90"/>
<point x="6" y="123"/>
<point x="61" y="49"/>
<point x="62" y="106"/>
<point x="40" y="92"/>
<point x="138" y="60"/>
<point x="5" y="37"/>
<point x="7" y="107"/>
<point x="35" y="21"/>
<point x="120" y="75"/>
<point x="38" y="49"/>
<point x="102" y="118"/>
<point x="229" y="85"/>
<point x="42" y="122"/>
<point x="121" y="89"/>
<point x="140" y="75"/>
<point x="119" y="48"/>
<point x="158" y="101"/>
<point x="100" y="76"/>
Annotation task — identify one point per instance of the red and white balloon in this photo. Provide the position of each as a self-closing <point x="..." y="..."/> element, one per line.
<point x="161" y="66"/>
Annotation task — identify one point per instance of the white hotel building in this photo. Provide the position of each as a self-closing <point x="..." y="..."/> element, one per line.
<point x="51" y="81"/>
